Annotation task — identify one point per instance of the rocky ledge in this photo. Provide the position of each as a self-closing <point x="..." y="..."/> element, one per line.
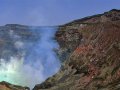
<point x="8" y="86"/>
<point x="90" y="52"/>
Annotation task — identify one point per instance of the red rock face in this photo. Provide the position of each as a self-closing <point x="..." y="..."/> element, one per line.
<point x="93" y="62"/>
<point x="100" y="55"/>
<point x="3" y="87"/>
<point x="90" y="55"/>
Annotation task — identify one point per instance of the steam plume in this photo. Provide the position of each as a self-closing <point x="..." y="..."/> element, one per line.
<point x="35" y="59"/>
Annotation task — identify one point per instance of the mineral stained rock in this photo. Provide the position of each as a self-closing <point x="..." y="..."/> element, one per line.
<point x="90" y="52"/>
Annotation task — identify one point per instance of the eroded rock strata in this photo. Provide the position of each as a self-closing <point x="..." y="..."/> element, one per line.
<point x="90" y="51"/>
<point x="8" y="86"/>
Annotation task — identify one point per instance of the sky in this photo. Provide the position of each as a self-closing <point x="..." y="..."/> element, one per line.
<point x="51" y="12"/>
<point x="43" y="13"/>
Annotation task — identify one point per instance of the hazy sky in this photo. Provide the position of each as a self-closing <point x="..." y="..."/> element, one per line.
<point x="51" y="12"/>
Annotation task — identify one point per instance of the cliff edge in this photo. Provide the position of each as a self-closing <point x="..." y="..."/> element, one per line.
<point x="90" y="54"/>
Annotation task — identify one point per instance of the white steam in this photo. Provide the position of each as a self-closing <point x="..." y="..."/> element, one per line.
<point x="17" y="73"/>
<point x="35" y="61"/>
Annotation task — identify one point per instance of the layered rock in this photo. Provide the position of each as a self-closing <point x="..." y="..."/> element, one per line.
<point x="90" y="49"/>
<point x="8" y="86"/>
<point x="89" y="52"/>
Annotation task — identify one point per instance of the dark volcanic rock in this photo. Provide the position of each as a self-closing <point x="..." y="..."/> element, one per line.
<point x="90" y="49"/>
<point x="8" y="86"/>
<point x="68" y="40"/>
